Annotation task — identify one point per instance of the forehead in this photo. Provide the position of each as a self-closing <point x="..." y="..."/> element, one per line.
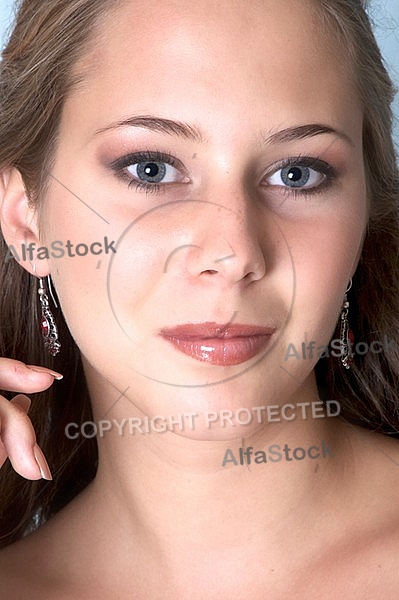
<point x="230" y="57"/>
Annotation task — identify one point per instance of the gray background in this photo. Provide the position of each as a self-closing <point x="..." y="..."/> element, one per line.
<point x="385" y="15"/>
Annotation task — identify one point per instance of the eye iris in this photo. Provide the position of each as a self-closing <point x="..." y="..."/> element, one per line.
<point x="151" y="171"/>
<point x="295" y="176"/>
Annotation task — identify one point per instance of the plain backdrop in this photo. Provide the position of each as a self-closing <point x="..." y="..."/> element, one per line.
<point x="384" y="13"/>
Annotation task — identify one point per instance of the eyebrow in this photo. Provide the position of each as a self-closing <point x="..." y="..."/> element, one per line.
<point x="159" y="125"/>
<point x="302" y="132"/>
<point x="193" y="133"/>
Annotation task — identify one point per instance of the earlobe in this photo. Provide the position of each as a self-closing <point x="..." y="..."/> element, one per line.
<point x="18" y="221"/>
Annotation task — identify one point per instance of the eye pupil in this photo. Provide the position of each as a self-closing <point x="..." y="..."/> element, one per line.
<point x="295" y="176"/>
<point x="151" y="171"/>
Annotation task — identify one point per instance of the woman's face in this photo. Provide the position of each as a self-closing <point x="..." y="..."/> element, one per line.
<point x="219" y="146"/>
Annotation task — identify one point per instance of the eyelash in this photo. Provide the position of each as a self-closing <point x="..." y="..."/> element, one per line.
<point x="120" y="165"/>
<point x="322" y="167"/>
<point x="316" y="164"/>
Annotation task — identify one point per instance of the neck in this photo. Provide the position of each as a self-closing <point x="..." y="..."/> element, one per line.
<point x="233" y="496"/>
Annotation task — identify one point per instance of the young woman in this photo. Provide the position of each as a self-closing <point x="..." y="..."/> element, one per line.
<point x="213" y="189"/>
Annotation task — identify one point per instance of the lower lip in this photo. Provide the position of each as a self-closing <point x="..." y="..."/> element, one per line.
<point x="221" y="351"/>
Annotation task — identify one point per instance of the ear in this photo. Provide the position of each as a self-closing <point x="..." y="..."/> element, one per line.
<point x="19" y="223"/>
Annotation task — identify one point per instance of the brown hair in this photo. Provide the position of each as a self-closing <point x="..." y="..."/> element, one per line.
<point x="368" y="392"/>
<point x="36" y="75"/>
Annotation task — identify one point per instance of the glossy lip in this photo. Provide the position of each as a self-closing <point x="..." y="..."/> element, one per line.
<point x="222" y="345"/>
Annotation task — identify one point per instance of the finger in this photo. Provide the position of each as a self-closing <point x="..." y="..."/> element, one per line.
<point x="22" y="401"/>
<point x="18" y="377"/>
<point x="3" y="454"/>
<point x="19" y="441"/>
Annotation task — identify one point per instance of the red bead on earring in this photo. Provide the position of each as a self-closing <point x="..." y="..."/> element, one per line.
<point x="346" y="335"/>
<point x="47" y="323"/>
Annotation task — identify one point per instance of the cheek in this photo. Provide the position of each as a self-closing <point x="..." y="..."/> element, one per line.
<point x="106" y="297"/>
<point x="134" y="274"/>
<point x="325" y="256"/>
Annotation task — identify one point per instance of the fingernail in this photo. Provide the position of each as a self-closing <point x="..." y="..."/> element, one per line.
<point x="22" y="401"/>
<point x="54" y="374"/>
<point x="42" y="463"/>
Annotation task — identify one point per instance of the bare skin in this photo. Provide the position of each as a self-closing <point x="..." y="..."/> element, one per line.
<point x="163" y="518"/>
<point x="343" y="545"/>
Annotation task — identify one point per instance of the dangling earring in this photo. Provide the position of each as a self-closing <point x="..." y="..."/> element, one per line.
<point x="47" y="324"/>
<point x="346" y="334"/>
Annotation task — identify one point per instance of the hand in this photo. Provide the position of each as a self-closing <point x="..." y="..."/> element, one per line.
<point x="17" y="436"/>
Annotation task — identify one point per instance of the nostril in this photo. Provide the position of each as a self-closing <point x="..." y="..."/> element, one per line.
<point x="210" y="271"/>
<point x="251" y="276"/>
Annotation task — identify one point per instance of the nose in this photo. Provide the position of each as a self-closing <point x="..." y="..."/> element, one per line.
<point x="226" y="245"/>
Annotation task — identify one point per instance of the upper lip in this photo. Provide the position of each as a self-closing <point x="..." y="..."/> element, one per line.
<point x="198" y="331"/>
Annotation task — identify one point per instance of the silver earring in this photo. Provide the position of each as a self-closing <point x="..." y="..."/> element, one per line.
<point x="346" y="334"/>
<point x="47" y="324"/>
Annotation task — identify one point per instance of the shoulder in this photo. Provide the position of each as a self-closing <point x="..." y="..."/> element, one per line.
<point x="34" y="567"/>
<point x="365" y="558"/>
<point x="15" y="577"/>
<point x="373" y="469"/>
<point x="28" y="570"/>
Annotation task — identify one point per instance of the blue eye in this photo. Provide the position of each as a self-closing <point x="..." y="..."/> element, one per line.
<point x="149" y="170"/>
<point x="154" y="172"/>
<point x="300" y="176"/>
<point x="297" y="176"/>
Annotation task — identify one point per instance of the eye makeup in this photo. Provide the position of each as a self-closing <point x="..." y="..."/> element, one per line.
<point x="151" y="157"/>
<point x="151" y="162"/>
<point x="328" y="172"/>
